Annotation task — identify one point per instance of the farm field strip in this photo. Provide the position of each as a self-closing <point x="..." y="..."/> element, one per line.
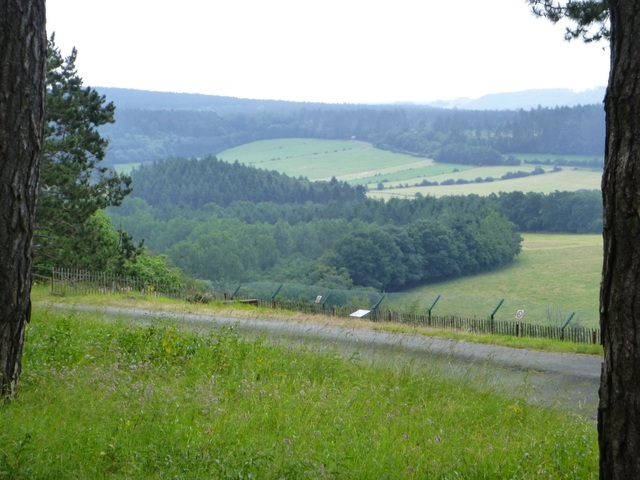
<point x="463" y="172"/>
<point x="548" y="183"/>
<point x="531" y="157"/>
<point x="411" y="173"/>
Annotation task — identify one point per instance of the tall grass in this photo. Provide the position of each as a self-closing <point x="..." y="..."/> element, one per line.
<point x="111" y="399"/>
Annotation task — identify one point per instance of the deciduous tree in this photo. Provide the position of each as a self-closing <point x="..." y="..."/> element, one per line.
<point x="23" y="53"/>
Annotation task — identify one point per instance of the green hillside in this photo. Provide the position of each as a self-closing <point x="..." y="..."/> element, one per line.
<point x="553" y="276"/>
<point x="402" y="175"/>
<point x="322" y="159"/>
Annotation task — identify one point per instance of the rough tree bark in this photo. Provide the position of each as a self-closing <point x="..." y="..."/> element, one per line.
<point x="619" y="409"/>
<point x="23" y="50"/>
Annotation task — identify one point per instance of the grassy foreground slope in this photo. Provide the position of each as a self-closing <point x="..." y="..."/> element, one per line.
<point x="112" y="399"/>
<point x="360" y="163"/>
<point x="553" y="276"/>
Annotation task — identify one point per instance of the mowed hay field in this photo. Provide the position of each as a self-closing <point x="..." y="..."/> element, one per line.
<point x="359" y="163"/>
<point x="553" y="276"/>
<point x="347" y="160"/>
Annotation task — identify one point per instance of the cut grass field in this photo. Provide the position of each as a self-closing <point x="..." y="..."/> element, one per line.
<point x="322" y="159"/>
<point x="554" y="275"/>
<point x="359" y="163"/>
<point x="104" y="398"/>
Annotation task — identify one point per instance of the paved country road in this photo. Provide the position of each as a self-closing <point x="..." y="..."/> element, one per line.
<point x="566" y="381"/>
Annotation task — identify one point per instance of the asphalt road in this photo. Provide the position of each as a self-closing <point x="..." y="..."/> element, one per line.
<point x="559" y="380"/>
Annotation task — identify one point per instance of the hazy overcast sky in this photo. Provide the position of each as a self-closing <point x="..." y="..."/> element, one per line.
<point x="329" y="51"/>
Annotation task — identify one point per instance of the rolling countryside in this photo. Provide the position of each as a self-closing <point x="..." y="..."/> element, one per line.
<point x="388" y="174"/>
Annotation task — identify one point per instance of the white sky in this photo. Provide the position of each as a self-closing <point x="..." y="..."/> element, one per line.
<point x="354" y="51"/>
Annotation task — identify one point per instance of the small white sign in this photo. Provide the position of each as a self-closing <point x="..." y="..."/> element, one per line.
<point x="359" y="313"/>
<point x="519" y="314"/>
<point x="318" y="298"/>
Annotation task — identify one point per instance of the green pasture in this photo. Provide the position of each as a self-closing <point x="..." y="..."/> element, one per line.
<point x="553" y="276"/>
<point x="321" y="159"/>
<point x="359" y="163"/>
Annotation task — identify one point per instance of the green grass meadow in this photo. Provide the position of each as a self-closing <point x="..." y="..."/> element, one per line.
<point x="321" y="159"/>
<point x="553" y="276"/>
<point x="360" y="163"/>
<point x="106" y="398"/>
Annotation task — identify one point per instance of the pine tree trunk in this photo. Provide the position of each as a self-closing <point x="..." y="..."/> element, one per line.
<point x="23" y="52"/>
<point x="619" y="409"/>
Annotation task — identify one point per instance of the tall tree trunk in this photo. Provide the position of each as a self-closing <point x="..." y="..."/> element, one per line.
<point x="23" y="53"/>
<point x="619" y="409"/>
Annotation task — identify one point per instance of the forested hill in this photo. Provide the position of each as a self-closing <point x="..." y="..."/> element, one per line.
<point x="144" y="134"/>
<point x="191" y="184"/>
<point x="213" y="230"/>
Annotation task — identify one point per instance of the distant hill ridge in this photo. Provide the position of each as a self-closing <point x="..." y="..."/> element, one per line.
<point x="149" y="100"/>
<point x="125" y="98"/>
<point x="527" y="99"/>
<point x="157" y="125"/>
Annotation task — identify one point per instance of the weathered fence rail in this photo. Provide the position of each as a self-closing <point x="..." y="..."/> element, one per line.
<point x="75" y="282"/>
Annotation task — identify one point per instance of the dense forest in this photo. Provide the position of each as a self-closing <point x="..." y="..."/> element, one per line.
<point x="221" y="221"/>
<point x="463" y="136"/>
<point x="194" y="183"/>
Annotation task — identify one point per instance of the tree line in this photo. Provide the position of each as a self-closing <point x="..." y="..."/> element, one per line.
<point x="192" y="183"/>
<point x="197" y="188"/>
<point x="460" y="136"/>
<point x="334" y="251"/>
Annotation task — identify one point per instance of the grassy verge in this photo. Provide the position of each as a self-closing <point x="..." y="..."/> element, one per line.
<point x="108" y="399"/>
<point x="41" y="297"/>
<point x="542" y="344"/>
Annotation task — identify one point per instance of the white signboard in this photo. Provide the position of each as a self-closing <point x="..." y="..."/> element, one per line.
<point x="359" y="313"/>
